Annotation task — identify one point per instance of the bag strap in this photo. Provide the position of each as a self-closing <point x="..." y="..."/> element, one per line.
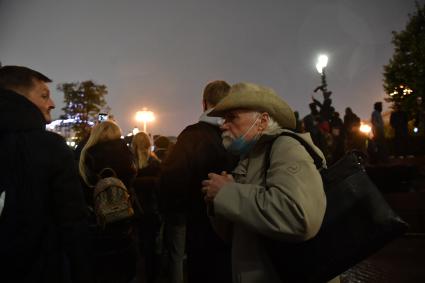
<point x="100" y="174"/>
<point x="318" y="161"/>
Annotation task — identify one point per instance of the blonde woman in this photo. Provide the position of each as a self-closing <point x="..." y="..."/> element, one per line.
<point x="141" y="146"/>
<point x="146" y="187"/>
<point x="105" y="148"/>
<point x="115" y="248"/>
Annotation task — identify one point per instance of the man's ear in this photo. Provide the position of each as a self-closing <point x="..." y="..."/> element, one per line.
<point x="264" y="121"/>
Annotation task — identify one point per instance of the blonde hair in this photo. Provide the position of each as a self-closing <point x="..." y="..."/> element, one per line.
<point x="104" y="131"/>
<point x="141" y="146"/>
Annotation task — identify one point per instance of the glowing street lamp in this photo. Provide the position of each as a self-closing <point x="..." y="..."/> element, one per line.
<point x="144" y="117"/>
<point x="322" y="62"/>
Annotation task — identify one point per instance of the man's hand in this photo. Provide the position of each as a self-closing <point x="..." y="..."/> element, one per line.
<point x="213" y="185"/>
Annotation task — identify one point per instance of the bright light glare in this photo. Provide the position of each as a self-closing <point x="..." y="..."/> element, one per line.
<point x="71" y="143"/>
<point x="415" y="130"/>
<point x="144" y="116"/>
<point x="322" y="62"/>
<point x="365" y="128"/>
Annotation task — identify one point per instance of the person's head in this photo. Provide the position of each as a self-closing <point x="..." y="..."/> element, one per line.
<point x="162" y="147"/>
<point x="102" y="132"/>
<point x="161" y="142"/>
<point x="313" y="108"/>
<point x="348" y="111"/>
<point x="378" y="106"/>
<point x="251" y="110"/>
<point x="141" y="146"/>
<point x="213" y="93"/>
<point x="31" y="84"/>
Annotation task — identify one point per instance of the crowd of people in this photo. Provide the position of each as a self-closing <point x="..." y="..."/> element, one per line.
<point x="201" y="207"/>
<point x="333" y="135"/>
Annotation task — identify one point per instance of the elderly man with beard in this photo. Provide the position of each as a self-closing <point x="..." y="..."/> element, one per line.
<point x="288" y="204"/>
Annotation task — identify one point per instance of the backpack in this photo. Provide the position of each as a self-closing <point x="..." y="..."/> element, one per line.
<point x="111" y="198"/>
<point x="357" y="223"/>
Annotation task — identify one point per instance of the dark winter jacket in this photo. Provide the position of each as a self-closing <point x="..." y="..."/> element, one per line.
<point x="146" y="186"/>
<point x="43" y="229"/>
<point x="113" y="154"/>
<point x="149" y="225"/>
<point x="198" y="151"/>
<point x="114" y="246"/>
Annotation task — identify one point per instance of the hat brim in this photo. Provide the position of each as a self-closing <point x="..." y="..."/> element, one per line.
<point x="256" y="98"/>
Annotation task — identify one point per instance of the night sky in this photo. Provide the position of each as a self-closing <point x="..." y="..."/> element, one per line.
<point x="160" y="54"/>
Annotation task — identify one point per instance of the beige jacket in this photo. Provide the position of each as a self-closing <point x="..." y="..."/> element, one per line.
<point x="290" y="206"/>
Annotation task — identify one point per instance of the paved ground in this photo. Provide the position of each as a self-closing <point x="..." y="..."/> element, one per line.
<point x="402" y="261"/>
<point x="402" y="182"/>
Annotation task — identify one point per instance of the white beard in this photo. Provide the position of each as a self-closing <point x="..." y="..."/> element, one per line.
<point x="228" y="138"/>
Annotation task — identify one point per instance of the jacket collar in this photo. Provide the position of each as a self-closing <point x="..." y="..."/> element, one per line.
<point x="215" y="121"/>
<point x="17" y="113"/>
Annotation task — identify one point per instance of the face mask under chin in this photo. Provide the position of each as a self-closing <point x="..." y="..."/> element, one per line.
<point x="240" y="146"/>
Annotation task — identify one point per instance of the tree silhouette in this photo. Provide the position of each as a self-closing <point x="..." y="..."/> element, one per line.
<point x="404" y="75"/>
<point x="83" y="102"/>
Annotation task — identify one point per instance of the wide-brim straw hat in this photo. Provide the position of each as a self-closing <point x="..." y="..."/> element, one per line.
<point x="257" y="98"/>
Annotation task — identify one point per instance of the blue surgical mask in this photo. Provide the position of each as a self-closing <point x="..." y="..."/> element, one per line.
<point x="241" y="146"/>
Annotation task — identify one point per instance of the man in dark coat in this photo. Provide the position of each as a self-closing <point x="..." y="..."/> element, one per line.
<point x="43" y="229"/>
<point x="199" y="151"/>
<point x="398" y="121"/>
<point x="377" y="147"/>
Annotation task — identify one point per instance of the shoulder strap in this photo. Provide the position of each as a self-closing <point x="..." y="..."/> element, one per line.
<point x="100" y="174"/>
<point x="318" y="161"/>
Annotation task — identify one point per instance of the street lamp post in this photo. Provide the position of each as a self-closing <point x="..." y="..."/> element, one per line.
<point x="322" y="62"/>
<point x="144" y="117"/>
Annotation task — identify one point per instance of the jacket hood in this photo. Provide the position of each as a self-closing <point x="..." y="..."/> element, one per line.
<point x="17" y="113"/>
<point x="216" y="121"/>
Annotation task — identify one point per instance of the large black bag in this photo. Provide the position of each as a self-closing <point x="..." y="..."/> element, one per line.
<point x="357" y="223"/>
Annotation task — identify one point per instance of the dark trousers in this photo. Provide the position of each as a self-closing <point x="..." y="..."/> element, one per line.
<point x="208" y="257"/>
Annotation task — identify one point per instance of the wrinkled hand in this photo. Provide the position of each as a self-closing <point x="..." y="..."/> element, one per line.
<point x="213" y="185"/>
